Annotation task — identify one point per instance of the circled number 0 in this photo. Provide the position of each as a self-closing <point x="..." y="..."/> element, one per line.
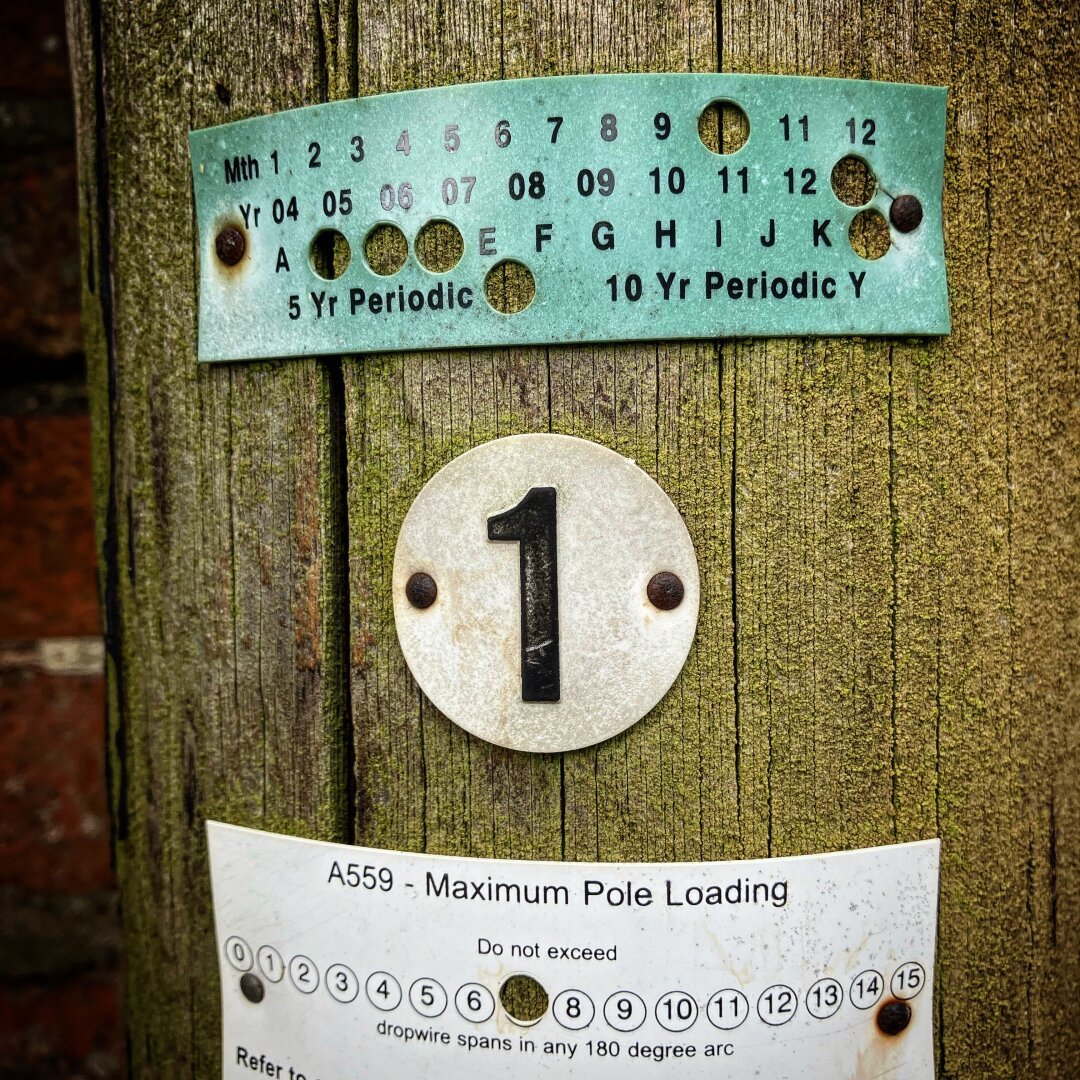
<point x="238" y="952"/>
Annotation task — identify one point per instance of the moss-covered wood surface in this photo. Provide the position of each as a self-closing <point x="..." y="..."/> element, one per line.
<point x="887" y="530"/>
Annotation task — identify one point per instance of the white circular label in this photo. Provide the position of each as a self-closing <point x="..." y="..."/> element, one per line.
<point x="545" y="592"/>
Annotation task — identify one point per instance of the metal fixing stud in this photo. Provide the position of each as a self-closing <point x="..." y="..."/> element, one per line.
<point x="893" y="1017"/>
<point x="230" y="245"/>
<point x="421" y="590"/>
<point x="251" y="987"/>
<point x="665" y="590"/>
<point x="905" y="213"/>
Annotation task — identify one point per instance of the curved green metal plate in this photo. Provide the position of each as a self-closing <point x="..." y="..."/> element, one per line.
<point x="632" y="228"/>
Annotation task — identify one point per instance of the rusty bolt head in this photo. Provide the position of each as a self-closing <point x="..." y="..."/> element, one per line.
<point x="893" y="1017"/>
<point x="421" y="590"/>
<point x="905" y="213"/>
<point x="665" y="590"/>
<point x="230" y="245"/>
<point x="252" y="988"/>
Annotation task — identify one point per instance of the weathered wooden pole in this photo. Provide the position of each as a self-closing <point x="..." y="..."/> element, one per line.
<point x="886" y="529"/>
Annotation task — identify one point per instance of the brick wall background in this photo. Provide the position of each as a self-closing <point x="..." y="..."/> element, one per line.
<point x="59" y="940"/>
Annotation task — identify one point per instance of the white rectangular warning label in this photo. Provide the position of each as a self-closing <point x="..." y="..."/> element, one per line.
<point x="340" y="962"/>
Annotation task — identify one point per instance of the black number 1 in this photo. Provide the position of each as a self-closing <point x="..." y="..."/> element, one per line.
<point x="532" y="524"/>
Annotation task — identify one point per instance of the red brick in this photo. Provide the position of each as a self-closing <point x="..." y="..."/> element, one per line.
<point x="73" y="1029"/>
<point x="48" y="585"/>
<point x="39" y="237"/>
<point x="39" y="253"/>
<point x="54" y="831"/>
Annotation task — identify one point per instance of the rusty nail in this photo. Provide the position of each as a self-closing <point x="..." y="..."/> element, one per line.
<point x="893" y="1017"/>
<point x="665" y="590"/>
<point x="251" y="987"/>
<point x="906" y="213"/>
<point x="230" y="245"/>
<point x="421" y="590"/>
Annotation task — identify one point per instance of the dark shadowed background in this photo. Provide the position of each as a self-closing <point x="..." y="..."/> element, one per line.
<point x="59" y="939"/>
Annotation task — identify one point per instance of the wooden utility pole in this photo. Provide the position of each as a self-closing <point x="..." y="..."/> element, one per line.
<point x="886" y="529"/>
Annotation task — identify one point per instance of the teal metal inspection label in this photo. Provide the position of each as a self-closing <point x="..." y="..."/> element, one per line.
<point x="612" y="204"/>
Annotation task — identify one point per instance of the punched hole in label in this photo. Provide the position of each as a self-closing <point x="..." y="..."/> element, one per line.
<point x="523" y="999"/>
<point x="853" y="181"/>
<point x="723" y="127"/>
<point x="330" y="254"/>
<point x="439" y="246"/>
<point x="509" y="287"/>
<point x="385" y="250"/>
<point x="868" y="234"/>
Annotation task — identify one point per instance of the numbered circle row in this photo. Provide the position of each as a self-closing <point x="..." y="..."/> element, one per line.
<point x="729" y="1008"/>
<point x="574" y="1010"/>
<point x="427" y="997"/>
